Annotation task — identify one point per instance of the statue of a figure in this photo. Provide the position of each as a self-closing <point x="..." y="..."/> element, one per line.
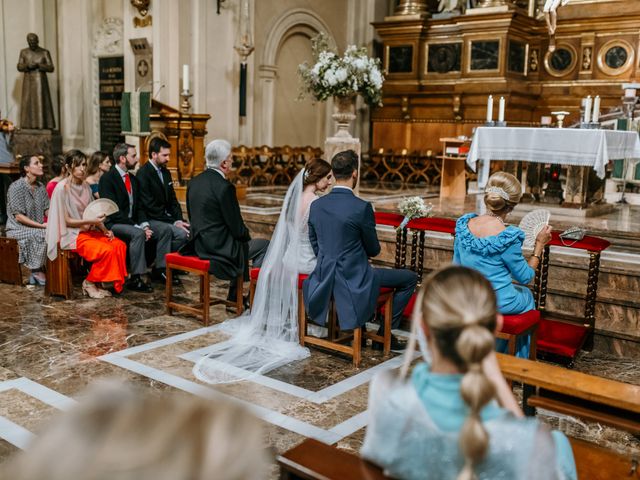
<point x="450" y="6"/>
<point x="36" y="110"/>
<point x="551" y="16"/>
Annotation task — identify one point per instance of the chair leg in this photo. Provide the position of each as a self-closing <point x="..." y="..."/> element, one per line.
<point x="252" y="291"/>
<point x="357" y="346"/>
<point x="239" y="292"/>
<point x="205" y="293"/>
<point x="533" y="347"/>
<point x="302" y="318"/>
<point x="388" y="317"/>
<point x="202" y="287"/>
<point x="168" y="289"/>
<point x="512" y="344"/>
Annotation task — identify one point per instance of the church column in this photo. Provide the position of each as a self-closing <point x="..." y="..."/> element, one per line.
<point x="264" y="126"/>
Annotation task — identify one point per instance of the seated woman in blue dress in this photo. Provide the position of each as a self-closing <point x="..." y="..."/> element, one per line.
<point x="485" y="243"/>
<point x="456" y="417"/>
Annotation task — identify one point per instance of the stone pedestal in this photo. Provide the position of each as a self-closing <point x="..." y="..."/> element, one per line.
<point x="47" y="143"/>
<point x="334" y="145"/>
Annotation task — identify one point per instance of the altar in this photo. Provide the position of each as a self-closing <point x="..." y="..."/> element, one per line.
<point x="577" y="149"/>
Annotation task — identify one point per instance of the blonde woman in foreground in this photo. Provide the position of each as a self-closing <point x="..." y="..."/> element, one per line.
<point x="116" y="433"/>
<point x="456" y="417"/>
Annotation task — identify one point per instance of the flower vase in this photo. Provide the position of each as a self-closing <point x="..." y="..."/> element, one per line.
<point x="344" y="112"/>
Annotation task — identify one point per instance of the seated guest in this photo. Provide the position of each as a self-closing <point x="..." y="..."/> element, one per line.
<point x="158" y="199"/>
<point x="99" y="163"/>
<point x="59" y="171"/>
<point x="116" y="433"/>
<point x="90" y="238"/>
<point x="27" y="207"/>
<point x="130" y="222"/>
<point x="217" y="230"/>
<point x="444" y="422"/>
<point x="487" y="244"/>
<point x="342" y="232"/>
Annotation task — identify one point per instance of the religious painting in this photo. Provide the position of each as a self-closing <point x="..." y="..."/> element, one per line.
<point x="443" y="57"/>
<point x="561" y="61"/>
<point x="517" y="56"/>
<point x="400" y="59"/>
<point x="485" y="55"/>
<point x="615" y="57"/>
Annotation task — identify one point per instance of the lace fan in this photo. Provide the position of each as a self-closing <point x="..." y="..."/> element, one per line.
<point x="532" y="223"/>
<point x="99" y="207"/>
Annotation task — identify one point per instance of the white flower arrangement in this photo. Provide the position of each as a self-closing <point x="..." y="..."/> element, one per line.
<point x="413" y="207"/>
<point x="331" y="75"/>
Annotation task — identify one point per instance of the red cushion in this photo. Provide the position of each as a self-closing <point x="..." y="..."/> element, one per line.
<point x="434" y="224"/>
<point x="253" y="273"/>
<point x="177" y="260"/>
<point x="592" y="244"/>
<point x="301" y="278"/>
<point x="386" y="218"/>
<point x="560" y="338"/>
<point x="408" y="310"/>
<point x="516" y="324"/>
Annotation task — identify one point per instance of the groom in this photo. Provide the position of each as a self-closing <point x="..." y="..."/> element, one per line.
<point x="342" y="231"/>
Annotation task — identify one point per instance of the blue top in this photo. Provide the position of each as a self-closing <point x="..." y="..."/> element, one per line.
<point x="499" y="258"/>
<point x="94" y="188"/>
<point x="440" y="395"/>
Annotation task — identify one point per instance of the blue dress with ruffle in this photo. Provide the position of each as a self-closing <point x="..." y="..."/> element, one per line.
<point x="499" y="258"/>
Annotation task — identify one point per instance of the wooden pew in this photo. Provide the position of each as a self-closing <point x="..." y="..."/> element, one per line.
<point x="569" y="392"/>
<point x="313" y="460"/>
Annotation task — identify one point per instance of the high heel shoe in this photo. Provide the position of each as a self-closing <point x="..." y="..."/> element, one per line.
<point x="36" y="279"/>
<point x="92" y="291"/>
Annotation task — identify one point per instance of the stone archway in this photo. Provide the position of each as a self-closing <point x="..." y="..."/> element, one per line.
<point x="295" y="21"/>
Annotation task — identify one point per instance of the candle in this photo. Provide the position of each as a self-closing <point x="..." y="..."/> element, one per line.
<point x="596" y="110"/>
<point x="630" y="92"/>
<point x="587" y="110"/>
<point x="490" y="109"/>
<point x="185" y="78"/>
<point x="501" y="110"/>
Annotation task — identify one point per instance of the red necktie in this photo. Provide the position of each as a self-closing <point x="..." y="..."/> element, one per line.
<point x="127" y="183"/>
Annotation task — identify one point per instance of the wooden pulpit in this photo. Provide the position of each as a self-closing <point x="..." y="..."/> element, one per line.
<point x="185" y="132"/>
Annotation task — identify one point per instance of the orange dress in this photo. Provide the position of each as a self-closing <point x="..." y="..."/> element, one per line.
<point x="107" y="257"/>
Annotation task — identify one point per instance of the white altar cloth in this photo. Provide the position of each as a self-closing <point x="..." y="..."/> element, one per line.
<point x="563" y="146"/>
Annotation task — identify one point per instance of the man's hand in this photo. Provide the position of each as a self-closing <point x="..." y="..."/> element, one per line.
<point x="182" y="225"/>
<point x="148" y="233"/>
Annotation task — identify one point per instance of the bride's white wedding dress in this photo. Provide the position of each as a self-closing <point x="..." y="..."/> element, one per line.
<point x="267" y="337"/>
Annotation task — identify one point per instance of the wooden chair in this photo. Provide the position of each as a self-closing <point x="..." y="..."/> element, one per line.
<point x="199" y="267"/>
<point x="10" y="266"/>
<point x="516" y="326"/>
<point x="59" y="278"/>
<point x="314" y="460"/>
<point x="337" y="341"/>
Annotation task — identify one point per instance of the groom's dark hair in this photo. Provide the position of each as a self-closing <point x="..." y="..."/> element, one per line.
<point x="344" y="164"/>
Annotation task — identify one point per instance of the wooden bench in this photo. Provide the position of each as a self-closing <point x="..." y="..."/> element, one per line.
<point x="573" y="393"/>
<point x="59" y="278"/>
<point x="10" y="266"/>
<point x="314" y="460"/>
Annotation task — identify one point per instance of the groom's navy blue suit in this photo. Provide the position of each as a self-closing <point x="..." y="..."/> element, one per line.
<point x="342" y="231"/>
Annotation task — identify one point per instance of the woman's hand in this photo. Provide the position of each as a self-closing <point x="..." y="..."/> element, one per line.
<point x="97" y="221"/>
<point x="109" y="235"/>
<point x="544" y="236"/>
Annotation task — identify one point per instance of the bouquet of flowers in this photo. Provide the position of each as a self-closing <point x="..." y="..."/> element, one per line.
<point x="413" y="207"/>
<point x="331" y="75"/>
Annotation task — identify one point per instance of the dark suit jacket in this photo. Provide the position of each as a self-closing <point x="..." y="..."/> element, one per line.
<point x="342" y="231"/>
<point x="112" y="187"/>
<point x="158" y="200"/>
<point x="218" y="232"/>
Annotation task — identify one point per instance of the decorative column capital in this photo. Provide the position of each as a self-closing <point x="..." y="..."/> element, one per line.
<point x="411" y="7"/>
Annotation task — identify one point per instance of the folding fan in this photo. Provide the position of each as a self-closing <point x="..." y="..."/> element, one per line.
<point x="532" y="223"/>
<point x="99" y="207"/>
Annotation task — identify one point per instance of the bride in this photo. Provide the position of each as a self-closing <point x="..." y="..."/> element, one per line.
<point x="267" y="337"/>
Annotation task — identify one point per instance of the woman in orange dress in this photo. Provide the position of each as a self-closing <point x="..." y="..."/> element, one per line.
<point x="89" y="237"/>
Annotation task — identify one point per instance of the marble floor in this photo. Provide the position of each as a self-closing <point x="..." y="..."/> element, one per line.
<point x="51" y="349"/>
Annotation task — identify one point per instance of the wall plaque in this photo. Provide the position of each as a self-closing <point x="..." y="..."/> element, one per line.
<point x="444" y="57"/>
<point x="517" y="56"/>
<point x="111" y="82"/>
<point x="485" y="55"/>
<point x="400" y="59"/>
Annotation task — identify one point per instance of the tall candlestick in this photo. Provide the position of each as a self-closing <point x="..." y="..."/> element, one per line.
<point x="501" y="110"/>
<point x="185" y="78"/>
<point x="596" y="110"/>
<point x="587" y="110"/>
<point x="490" y="109"/>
